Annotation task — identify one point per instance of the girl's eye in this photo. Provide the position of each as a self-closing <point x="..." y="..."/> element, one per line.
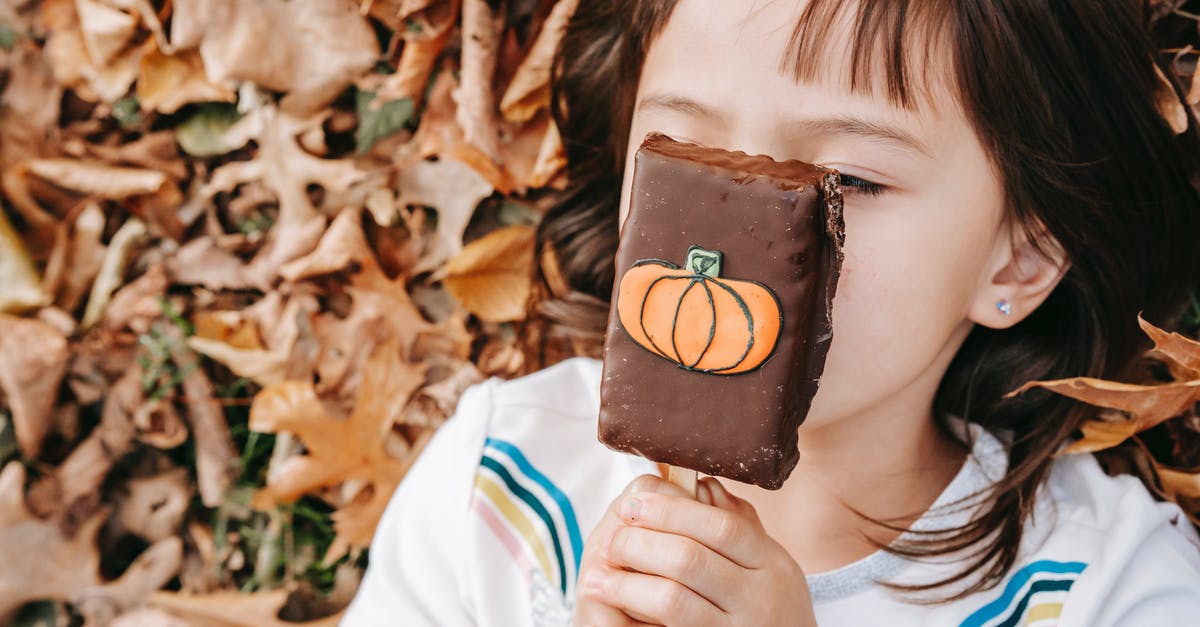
<point x="861" y="185"/>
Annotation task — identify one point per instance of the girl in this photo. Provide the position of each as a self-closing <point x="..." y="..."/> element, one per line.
<point x="1013" y="200"/>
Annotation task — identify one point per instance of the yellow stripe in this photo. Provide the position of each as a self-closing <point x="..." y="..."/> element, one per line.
<point x="517" y="519"/>
<point x="1042" y="612"/>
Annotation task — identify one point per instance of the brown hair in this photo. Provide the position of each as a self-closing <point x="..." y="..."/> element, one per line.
<point x="1061" y="92"/>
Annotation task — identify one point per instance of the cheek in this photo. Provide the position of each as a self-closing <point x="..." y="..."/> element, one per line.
<point x="905" y="288"/>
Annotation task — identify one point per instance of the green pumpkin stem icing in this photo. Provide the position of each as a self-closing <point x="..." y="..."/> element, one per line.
<point x="704" y="261"/>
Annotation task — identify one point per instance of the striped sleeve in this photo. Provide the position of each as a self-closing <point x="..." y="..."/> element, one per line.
<point x="1033" y="595"/>
<point x="528" y="514"/>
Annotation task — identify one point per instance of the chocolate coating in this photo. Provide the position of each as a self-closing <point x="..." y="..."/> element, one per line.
<point x="776" y="225"/>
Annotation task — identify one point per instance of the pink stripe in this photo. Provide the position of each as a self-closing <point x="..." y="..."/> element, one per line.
<point x="505" y="535"/>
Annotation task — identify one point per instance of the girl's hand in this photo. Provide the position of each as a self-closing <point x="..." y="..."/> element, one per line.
<point x="662" y="558"/>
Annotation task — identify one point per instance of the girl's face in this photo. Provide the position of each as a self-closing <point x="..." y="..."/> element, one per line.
<point x="924" y="256"/>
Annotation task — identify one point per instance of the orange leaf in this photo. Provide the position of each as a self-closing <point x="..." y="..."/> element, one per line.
<point x="339" y="450"/>
<point x="1146" y="406"/>
<point x="1181" y="354"/>
<point x="1177" y="483"/>
<point x="491" y="276"/>
<point x="230" y="607"/>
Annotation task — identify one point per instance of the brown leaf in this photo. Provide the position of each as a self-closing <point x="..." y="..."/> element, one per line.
<point x="112" y="269"/>
<point x="137" y="304"/>
<point x="416" y="19"/>
<point x="106" y="30"/>
<point x="1146" y="406"/>
<point x="342" y="244"/>
<point x="99" y="179"/>
<point x="170" y="81"/>
<point x="491" y="277"/>
<point x="476" y="115"/>
<point x="454" y="189"/>
<point x="202" y="261"/>
<point x="232" y="608"/>
<point x="157" y="151"/>
<point x="68" y="568"/>
<point x="152" y="508"/>
<point x="529" y="90"/>
<point x="317" y="48"/>
<point x="20" y="286"/>
<point x="279" y="325"/>
<point x="148" y="617"/>
<point x="417" y="60"/>
<point x="1181" y="354"/>
<point x="434" y="403"/>
<point x="381" y="310"/>
<point x="1177" y="483"/>
<point x="77" y="255"/>
<point x="216" y="459"/>
<point x="1193" y="96"/>
<point x="76" y="38"/>
<point x="339" y="450"/>
<point x="158" y="424"/>
<point x="1170" y="106"/>
<point x="288" y="170"/>
<point x="33" y="359"/>
<point x="84" y="470"/>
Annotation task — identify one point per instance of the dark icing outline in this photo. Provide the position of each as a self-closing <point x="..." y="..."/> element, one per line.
<point x="703" y="280"/>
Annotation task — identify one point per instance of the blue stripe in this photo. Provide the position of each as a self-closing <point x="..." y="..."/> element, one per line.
<point x="1045" y="585"/>
<point x="1018" y="581"/>
<point x="564" y="503"/>
<point x="532" y="501"/>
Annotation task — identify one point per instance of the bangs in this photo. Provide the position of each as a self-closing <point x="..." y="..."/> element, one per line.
<point x="899" y="37"/>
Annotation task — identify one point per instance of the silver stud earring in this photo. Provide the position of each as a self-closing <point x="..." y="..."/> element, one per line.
<point x="1004" y="306"/>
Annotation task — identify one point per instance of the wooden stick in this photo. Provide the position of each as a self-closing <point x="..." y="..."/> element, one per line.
<point x="684" y="478"/>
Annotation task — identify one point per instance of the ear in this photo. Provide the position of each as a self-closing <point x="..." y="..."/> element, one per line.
<point x="1020" y="274"/>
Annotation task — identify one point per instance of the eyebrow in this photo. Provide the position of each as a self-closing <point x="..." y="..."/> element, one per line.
<point x="838" y="124"/>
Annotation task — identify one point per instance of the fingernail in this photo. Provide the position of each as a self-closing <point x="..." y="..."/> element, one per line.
<point x="594" y="581"/>
<point x="631" y="508"/>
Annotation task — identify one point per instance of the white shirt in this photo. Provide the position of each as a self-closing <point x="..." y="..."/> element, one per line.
<point x="488" y="526"/>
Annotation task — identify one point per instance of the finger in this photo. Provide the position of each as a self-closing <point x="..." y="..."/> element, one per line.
<point x="655" y="484"/>
<point x="591" y="610"/>
<point x="721" y="497"/>
<point x="646" y="484"/>
<point x="733" y="535"/>
<point x="678" y="558"/>
<point x="704" y="493"/>
<point x="652" y="599"/>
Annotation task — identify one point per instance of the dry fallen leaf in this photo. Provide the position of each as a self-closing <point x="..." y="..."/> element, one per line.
<point x="1141" y="407"/>
<point x="316" y="48"/>
<point x="170" y="81"/>
<point x="454" y="189"/>
<point x="337" y="450"/>
<point x="68" y="568"/>
<point x="529" y="90"/>
<point x="152" y="508"/>
<point x="492" y="275"/>
<point x="33" y="359"/>
<point x="112" y="269"/>
<point x="76" y="258"/>
<point x="1170" y="106"/>
<point x="20" y="286"/>
<point x="476" y="102"/>
<point x="86" y="47"/>
<point x="264" y="365"/>
<point x="231" y="608"/>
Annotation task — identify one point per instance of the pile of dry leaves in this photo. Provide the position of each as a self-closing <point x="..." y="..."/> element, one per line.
<point x="251" y="253"/>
